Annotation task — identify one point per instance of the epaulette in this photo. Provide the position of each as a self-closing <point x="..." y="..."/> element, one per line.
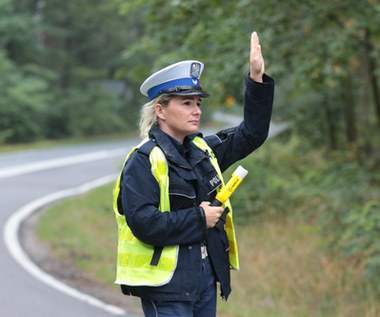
<point x="147" y="147"/>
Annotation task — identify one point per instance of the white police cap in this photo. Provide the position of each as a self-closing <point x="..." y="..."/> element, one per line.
<point x="181" y="79"/>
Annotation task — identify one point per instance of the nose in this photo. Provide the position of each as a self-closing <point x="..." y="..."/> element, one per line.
<point x="197" y="110"/>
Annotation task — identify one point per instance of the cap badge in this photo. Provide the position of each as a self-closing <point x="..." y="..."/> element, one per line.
<point x="195" y="81"/>
<point x="195" y="70"/>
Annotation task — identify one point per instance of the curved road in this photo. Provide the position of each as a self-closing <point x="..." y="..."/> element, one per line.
<point x="25" y="178"/>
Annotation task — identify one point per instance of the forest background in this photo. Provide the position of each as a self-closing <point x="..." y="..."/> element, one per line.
<point x="73" y="68"/>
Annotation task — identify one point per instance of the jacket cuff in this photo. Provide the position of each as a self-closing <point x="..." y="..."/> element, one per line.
<point x="260" y="91"/>
<point x="202" y="221"/>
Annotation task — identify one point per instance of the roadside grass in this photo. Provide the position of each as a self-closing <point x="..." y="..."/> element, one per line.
<point x="83" y="230"/>
<point x="286" y="273"/>
<point x="286" y="269"/>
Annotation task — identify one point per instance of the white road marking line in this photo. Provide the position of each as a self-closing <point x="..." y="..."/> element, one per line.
<point x="13" y="244"/>
<point x="11" y="171"/>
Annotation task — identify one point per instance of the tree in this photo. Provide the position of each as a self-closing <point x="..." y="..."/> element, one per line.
<point x="314" y="49"/>
<point x="24" y="94"/>
<point x="84" y="39"/>
<point x="63" y="48"/>
<point x="24" y="100"/>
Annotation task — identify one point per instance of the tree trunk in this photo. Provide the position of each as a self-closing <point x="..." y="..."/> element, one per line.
<point x="349" y="110"/>
<point x="365" y="109"/>
<point x="372" y="75"/>
<point x="331" y="127"/>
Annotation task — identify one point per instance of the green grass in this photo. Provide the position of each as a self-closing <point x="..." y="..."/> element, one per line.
<point x="286" y="273"/>
<point x="284" y="269"/>
<point x="280" y="210"/>
<point x="84" y="230"/>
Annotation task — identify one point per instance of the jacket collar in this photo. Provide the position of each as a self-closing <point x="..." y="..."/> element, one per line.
<point x="171" y="152"/>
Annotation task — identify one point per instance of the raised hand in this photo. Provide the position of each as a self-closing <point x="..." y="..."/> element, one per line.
<point x="256" y="59"/>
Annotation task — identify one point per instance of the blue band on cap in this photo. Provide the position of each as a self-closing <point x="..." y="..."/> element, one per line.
<point x="153" y="92"/>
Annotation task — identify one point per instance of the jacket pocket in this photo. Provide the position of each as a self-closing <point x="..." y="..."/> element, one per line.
<point x="181" y="192"/>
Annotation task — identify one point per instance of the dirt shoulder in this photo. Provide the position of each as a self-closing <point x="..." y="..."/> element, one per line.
<point x="66" y="272"/>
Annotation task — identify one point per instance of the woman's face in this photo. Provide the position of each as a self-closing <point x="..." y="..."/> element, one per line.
<point x="180" y="117"/>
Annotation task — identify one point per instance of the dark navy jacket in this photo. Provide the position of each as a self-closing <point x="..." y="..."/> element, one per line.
<point x="190" y="172"/>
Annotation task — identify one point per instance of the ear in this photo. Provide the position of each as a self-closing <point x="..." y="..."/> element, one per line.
<point x="159" y="109"/>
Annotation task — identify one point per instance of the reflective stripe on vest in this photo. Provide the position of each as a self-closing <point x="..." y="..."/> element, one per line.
<point x="229" y="225"/>
<point x="134" y="256"/>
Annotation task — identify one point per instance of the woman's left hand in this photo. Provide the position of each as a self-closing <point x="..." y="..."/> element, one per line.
<point x="256" y="59"/>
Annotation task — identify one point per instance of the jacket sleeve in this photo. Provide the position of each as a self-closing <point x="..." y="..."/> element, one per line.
<point x="140" y="195"/>
<point x="233" y="144"/>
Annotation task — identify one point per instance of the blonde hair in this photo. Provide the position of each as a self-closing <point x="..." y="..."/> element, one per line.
<point x="148" y="118"/>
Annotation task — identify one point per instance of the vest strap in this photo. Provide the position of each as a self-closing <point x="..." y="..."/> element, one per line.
<point x="222" y="220"/>
<point x="147" y="147"/>
<point x="156" y="256"/>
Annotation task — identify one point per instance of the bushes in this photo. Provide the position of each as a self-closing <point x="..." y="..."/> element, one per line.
<point x="361" y="235"/>
<point x="338" y="196"/>
<point x="50" y="53"/>
<point x="84" y="113"/>
<point x="24" y="100"/>
<point x="31" y="110"/>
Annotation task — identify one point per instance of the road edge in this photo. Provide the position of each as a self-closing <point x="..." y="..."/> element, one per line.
<point x="12" y="242"/>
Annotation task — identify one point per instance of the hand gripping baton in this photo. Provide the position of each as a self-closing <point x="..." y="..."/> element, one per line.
<point x="225" y="193"/>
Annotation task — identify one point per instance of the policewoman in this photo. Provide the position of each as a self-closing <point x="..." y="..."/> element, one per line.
<point x="171" y="254"/>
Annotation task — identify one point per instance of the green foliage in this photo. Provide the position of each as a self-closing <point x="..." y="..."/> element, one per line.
<point x="18" y="31"/>
<point x="24" y="100"/>
<point x="349" y="215"/>
<point x="323" y="55"/>
<point x="287" y="198"/>
<point x="52" y="52"/>
<point x="361" y="236"/>
<point x="76" y="235"/>
<point x="88" y="113"/>
<point x="333" y="192"/>
<point x="205" y="30"/>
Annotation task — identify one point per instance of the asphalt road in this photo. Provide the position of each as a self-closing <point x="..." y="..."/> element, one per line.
<point x="25" y="178"/>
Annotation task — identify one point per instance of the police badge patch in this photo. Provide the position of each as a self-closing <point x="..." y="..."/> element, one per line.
<point x="195" y="69"/>
<point x="215" y="181"/>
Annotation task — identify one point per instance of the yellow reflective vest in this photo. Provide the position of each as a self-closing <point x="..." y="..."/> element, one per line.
<point x="134" y="256"/>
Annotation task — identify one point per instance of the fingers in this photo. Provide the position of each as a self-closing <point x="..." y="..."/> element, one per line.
<point x="256" y="59"/>
<point x="216" y="211"/>
<point x="257" y="56"/>
<point x="255" y="47"/>
<point x="254" y="41"/>
<point x="205" y="204"/>
<point x="212" y="213"/>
